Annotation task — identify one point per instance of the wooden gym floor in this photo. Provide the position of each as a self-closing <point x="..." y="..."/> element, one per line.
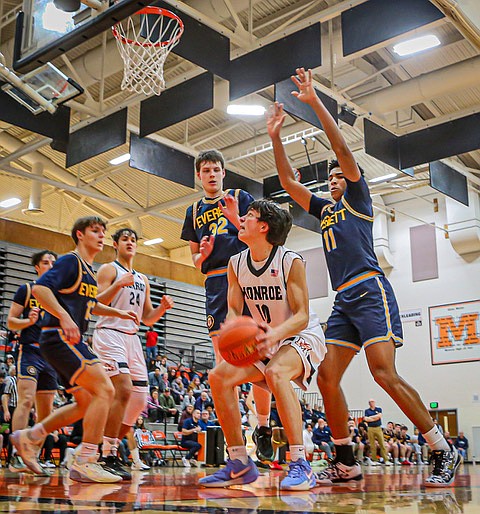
<point x="397" y="490"/>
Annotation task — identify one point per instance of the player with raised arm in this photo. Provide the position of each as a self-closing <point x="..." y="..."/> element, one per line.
<point x="36" y="379"/>
<point x="116" y="343"/>
<point x="271" y="281"/>
<point x="211" y="228"/>
<point x="365" y="313"/>
<point x="68" y="294"/>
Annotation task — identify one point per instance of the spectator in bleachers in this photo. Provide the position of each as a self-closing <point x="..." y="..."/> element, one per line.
<point x="405" y="441"/>
<point x="322" y="437"/>
<point x="308" y="441"/>
<point x="204" y="420"/>
<point x="151" y="341"/>
<point x="212" y="415"/>
<point x="201" y="401"/>
<point x="188" y="399"/>
<point x="54" y="440"/>
<point x="143" y="437"/>
<point x="154" y="411"/>
<point x="60" y="398"/>
<point x="178" y="390"/>
<point x="155" y="379"/>
<point x="172" y="375"/>
<point x="168" y="407"/>
<point x="318" y="412"/>
<point x="186" y="414"/>
<point x="461" y="444"/>
<point x="373" y="417"/>
<point x="391" y="446"/>
<point x="424" y="447"/>
<point x="358" y="446"/>
<point x="196" y="386"/>
<point x="308" y="413"/>
<point x="190" y="431"/>
<point x="161" y="363"/>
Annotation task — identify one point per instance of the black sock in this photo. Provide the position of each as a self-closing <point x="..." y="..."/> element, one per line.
<point x="344" y="454"/>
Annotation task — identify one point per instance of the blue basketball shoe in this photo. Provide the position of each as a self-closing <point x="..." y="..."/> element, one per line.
<point x="300" y="477"/>
<point x="234" y="473"/>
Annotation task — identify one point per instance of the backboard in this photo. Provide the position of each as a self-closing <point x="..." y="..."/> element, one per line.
<point x="44" y="32"/>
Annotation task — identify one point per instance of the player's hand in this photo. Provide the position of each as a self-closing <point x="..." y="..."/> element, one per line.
<point x="266" y="341"/>
<point x="229" y="208"/>
<point x="33" y="315"/>
<point x="126" y="280"/>
<point x="167" y="302"/>
<point x="206" y="246"/>
<point x="275" y="118"/>
<point x="6" y="416"/>
<point x="131" y="315"/>
<point x="306" y="92"/>
<point x="70" y="329"/>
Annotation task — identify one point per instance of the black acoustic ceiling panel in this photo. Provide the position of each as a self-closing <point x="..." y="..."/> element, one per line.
<point x="448" y="181"/>
<point x="381" y="144"/>
<point x="235" y="181"/>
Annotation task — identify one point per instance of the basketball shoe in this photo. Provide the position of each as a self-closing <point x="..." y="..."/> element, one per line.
<point x="91" y="471"/>
<point x="112" y="465"/>
<point x="234" y="473"/>
<point x="139" y="466"/>
<point x="262" y="437"/>
<point x="17" y="465"/>
<point x="337" y="472"/>
<point x="300" y="477"/>
<point x="27" y="450"/>
<point x="445" y="464"/>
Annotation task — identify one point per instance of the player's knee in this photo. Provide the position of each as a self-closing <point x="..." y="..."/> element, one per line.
<point x="136" y="404"/>
<point x="216" y="378"/>
<point x="275" y="374"/>
<point x="123" y="392"/>
<point x="385" y="378"/>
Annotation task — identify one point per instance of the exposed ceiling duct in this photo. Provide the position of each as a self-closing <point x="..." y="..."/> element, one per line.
<point x="35" y="202"/>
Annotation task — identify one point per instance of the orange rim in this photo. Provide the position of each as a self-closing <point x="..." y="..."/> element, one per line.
<point x="152" y="10"/>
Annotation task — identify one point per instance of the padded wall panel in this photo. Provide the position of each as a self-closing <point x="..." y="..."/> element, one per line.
<point x="317" y="276"/>
<point x="97" y="138"/>
<point x="201" y="44"/>
<point x="161" y="160"/>
<point x="275" y="62"/>
<point x="234" y="181"/>
<point x="283" y="94"/>
<point x="448" y="181"/>
<point x="434" y="143"/>
<point x="423" y="250"/>
<point x="381" y="144"/>
<point x="379" y="20"/>
<point x="188" y="98"/>
<point x="56" y="126"/>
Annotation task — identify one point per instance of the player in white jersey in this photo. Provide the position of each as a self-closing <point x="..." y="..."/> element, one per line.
<point x="271" y="280"/>
<point x="117" y="345"/>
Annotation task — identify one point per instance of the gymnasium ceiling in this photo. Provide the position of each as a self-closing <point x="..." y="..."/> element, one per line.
<point x="369" y="82"/>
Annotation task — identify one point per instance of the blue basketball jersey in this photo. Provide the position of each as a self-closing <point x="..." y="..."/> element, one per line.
<point x="74" y="284"/>
<point x="347" y="230"/>
<point x="24" y="297"/>
<point x="204" y="218"/>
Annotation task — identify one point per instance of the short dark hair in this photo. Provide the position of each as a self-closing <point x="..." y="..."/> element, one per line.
<point x="124" y="231"/>
<point x="37" y="257"/>
<point x="85" y="222"/>
<point x="209" y="156"/>
<point x="279" y="220"/>
<point x="335" y="164"/>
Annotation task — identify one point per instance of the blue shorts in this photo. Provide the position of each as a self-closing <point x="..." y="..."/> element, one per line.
<point x="32" y="366"/>
<point x="365" y="314"/>
<point x="69" y="360"/>
<point x="216" y="288"/>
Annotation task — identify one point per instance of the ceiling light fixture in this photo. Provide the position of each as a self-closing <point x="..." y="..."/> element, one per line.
<point x="246" y="110"/>
<point x="383" y="178"/>
<point x="418" y="44"/>
<point x="118" y="160"/>
<point x="153" y="241"/>
<point x="10" y="202"/>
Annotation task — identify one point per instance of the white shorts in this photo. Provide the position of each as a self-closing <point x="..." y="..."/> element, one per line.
<point x="121" y="353"/>
<point x="310" y="345"/>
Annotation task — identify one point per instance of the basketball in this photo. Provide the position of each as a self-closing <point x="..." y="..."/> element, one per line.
<point x="236" y="342"/>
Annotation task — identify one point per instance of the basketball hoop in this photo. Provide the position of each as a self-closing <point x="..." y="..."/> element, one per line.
<point x="144" y="45"/>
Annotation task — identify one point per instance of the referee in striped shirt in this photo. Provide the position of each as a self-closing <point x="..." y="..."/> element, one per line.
<point x="9" y="402"/>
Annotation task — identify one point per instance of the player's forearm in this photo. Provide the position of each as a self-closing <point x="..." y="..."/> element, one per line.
<point x="198" y="259"/>
<point x="14" y="323"/>
<point x="109" y="293"/>
<point x="292" y="326"/>
<point x="48" y="301"/>
<point x="285" y="171"/>
<point x="105" y="310"/>
<point x="152" y="316"/>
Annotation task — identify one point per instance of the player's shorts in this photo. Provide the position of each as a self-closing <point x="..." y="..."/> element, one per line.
<point x="216" y="287"/>
<point x="365" y="314"/>
<point x="32" y="366"/>
<point x="310" y="345"/>
<point x="67" y="359"/>
<point x="121" y="353"/>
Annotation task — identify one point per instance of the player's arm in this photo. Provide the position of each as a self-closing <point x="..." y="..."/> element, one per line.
<point x="105" y="310"/>
<point x="47" y="300"/>
<point x="15" y="322"/>
<point x="230" y="210"/>
<point x="295" y="189"/>
<point x="201" y="251"/>
<point x="234" y="295"/>
<point x="6" y="412"/>
<point x="297" y="295"/>
<point x="108" y="287"/>
<point x="152" y="314"/>
<point x="306" y="94"/>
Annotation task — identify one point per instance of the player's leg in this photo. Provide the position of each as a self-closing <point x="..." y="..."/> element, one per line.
<point x="287" y="365"/>
<point x="262" y="435"/>
<point x="224" y="380"/>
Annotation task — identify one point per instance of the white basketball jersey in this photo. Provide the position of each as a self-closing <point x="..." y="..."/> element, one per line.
<point x="129" y="298"/>
<point x="264" y="285"/>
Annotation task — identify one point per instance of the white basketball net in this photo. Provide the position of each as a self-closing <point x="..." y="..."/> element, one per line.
<point x="144" y="42"/>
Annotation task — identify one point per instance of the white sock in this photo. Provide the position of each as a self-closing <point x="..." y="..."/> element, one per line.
<point x="297" y="451"/>
<point x="238" y="452"/>
<point x="87" y="453"/>
<point x="109" y="444"/>
<point x="38" y="433"/>
<point x="435" y="439"/>
<point x="135" y="455"/>
<point x="263" y="420"/>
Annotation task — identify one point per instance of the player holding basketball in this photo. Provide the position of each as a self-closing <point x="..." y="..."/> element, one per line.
<point x="36" y="379"/>
<point x="365" y="312"/>
<point x="271" y="281"/>
<point x="117" y="345"/>
<point x="211" y="227"/>
<point x="68" y="294"/>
